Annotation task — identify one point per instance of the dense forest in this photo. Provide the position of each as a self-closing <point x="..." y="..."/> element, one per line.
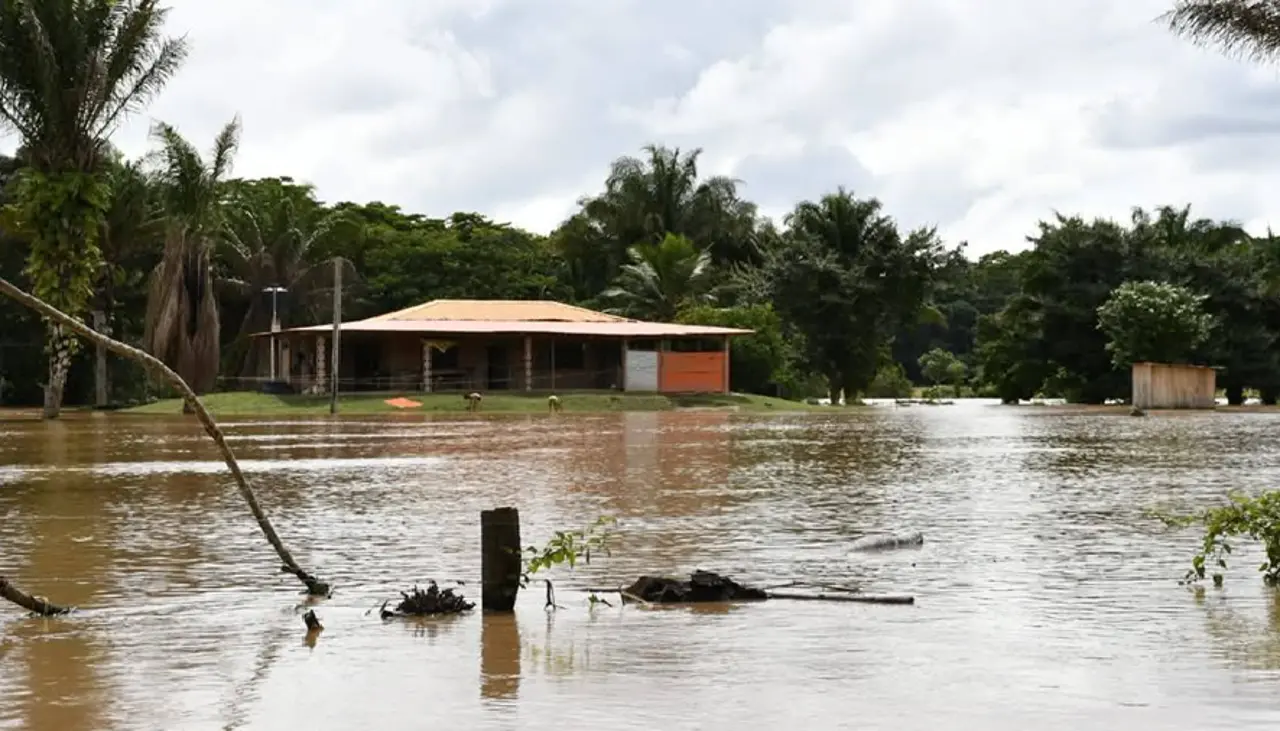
<point x="175" y="253"/>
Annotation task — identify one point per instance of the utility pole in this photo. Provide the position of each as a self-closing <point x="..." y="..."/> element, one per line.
<point x="337" y="334"/>
<point x="275" y="327"/>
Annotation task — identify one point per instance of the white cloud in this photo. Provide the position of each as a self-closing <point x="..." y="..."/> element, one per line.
<point x="979" y="117"/>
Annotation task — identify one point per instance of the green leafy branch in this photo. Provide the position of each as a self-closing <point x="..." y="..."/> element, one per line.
<point x="568" y="547"/>
<point x="1253" y="518"/>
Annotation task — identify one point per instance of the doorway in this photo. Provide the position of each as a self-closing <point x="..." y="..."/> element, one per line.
<point x="499" y="362"/>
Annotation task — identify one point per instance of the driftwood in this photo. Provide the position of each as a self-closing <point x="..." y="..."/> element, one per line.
<point x="885" y="543"/>
<point x="315" y="586"/>
<point x="419" y="603"/>
<point x="35" y="604"/>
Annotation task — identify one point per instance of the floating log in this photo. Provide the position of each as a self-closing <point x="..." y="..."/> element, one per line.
<point x="501" y="560"/>
<point x="433" y="601"/>
<point x="37" y="605"/>
<point x="889" y="542"/>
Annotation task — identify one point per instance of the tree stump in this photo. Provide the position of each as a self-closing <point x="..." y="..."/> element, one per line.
<point x="501" y="562"/>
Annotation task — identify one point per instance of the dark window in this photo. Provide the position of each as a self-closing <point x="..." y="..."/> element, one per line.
<point x="647" y="346"/>
<point x="444" y="360"/>
<point x="696" y="345"/>
<point x="570" y="356"/>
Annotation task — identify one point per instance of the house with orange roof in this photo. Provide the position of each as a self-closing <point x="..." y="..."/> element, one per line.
<point x="506" y="345"/>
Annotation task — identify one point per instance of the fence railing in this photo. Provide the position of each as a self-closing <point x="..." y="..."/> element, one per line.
<point x="442" y="381"/>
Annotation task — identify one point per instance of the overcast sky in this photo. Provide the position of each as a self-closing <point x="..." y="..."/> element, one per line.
<point x="978" y="116"/>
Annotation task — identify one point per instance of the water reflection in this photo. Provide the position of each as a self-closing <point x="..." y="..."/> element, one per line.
<point x="500" y="649"/>
<point x="1244" y="636"/>
<point x="61" y="688"/>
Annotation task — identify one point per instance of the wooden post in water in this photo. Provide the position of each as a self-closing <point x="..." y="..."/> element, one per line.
<point x="500" y="559"/>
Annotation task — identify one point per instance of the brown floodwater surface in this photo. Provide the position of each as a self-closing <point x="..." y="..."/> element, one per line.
<point x="1046" y="597"/>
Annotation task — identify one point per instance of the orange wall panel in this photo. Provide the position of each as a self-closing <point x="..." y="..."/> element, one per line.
<point x="691" y="372"/>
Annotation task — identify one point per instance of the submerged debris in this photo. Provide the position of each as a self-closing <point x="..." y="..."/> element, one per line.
<point x="702" y="586"/>
<point x="419" y="603"/>
<point x="887" y="542"/>
<point x="312" y="621"/>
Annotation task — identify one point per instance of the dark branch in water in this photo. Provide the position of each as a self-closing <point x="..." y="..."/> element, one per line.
<point x="315" y="586"/>
<point x="419" y="603"/>
<point x="35" y="604"/>
<point x="862" y="598"/>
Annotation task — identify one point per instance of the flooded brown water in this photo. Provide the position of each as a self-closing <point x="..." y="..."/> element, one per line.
<point x="1045" y="598"/>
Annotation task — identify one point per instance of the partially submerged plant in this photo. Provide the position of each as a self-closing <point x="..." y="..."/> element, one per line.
<point x="419" y="603"/>
<point x="568" y="547"/>
<point x="1254" y="518"/>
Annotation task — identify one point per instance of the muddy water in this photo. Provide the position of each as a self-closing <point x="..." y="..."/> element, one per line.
<point x="1045" y="597"/>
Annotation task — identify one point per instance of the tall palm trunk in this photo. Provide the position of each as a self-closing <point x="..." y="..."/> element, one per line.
<point x="182" y="314"/>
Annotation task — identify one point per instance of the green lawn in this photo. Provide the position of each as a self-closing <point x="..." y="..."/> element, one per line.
<point x="254" y="404"/>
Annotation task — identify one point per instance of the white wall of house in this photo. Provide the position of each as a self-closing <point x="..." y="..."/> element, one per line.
<point x="642" y="370"/>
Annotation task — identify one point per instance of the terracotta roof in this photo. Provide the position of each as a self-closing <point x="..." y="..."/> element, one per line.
<point x="500" y="310"/>
<point x="621" y="329"/>
<point x="516" y="317"/>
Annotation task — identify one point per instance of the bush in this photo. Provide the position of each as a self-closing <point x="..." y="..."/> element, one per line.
<point x="890" y="382"/>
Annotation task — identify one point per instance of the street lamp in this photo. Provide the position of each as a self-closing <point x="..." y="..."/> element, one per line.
<point x="275" y="326"/>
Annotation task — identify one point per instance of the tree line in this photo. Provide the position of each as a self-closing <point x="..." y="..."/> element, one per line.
<point x="175" y="253"/>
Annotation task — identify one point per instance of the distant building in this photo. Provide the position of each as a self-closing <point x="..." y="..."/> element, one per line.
<point x="1166" y="386"/>
<point x="498" y="345"/>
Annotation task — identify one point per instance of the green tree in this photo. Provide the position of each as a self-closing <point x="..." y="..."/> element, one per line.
<point x="644" y="199"/>
<point x="70" y="71"/>
<point x="1240" y="28"/>
<point x="410" y="260"/>
<point x="941" y="366"/>
<point x="847" y="280"/>
<point x="273" y="233"/>
<point x="1153" y="321"/>
<point x="661" y="279"/>
<point x="182" y="322"/>
<point x="1012" y="352"/>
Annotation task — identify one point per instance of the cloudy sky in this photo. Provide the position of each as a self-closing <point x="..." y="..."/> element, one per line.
<point x="978" y="116"/>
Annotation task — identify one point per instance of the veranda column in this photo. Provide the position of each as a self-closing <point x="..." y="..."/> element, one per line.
<point x="726" y="364"/>
<point x="528" y="362"/>
<point x="322" y="364"/>
<point x="426" y="366"/>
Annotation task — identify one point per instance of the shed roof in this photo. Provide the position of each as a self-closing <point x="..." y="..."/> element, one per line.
<point x="516" y="317"/>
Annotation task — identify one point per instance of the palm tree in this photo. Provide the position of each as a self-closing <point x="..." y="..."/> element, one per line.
<point x="661" y="279"/>
<point x="274" y="229"/>
<point x="645" y="198"/>
<point x="182" y="325"/>
<point x="70" y="72"/>
<point x="1240" y="28"/>
<point x="130" y="240"/>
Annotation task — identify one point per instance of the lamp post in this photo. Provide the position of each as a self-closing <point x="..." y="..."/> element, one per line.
<point x="275" y="326"/>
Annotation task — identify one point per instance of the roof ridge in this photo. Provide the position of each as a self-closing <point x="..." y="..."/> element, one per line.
<point x="426" y="307"/>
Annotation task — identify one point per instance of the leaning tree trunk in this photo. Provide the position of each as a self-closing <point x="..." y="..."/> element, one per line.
<point x="315" y="586"/>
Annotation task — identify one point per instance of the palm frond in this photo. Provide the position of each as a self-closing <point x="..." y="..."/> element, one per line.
<point x="1247" y="29"/>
